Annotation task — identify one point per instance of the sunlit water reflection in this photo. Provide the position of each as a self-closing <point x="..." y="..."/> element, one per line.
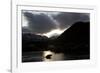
<point x="42" y="56"/>
<point x="51" y="56"/>
<point x="47" y="56"/>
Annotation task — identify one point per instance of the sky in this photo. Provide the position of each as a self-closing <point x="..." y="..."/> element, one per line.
<point x="50" y="23"/>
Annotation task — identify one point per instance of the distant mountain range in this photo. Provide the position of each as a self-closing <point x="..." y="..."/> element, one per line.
<point x="33" y="42"/>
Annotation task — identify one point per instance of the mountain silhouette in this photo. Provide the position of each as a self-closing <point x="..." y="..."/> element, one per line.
<point x="75" y="41"/>
<point x="33" y="42"/>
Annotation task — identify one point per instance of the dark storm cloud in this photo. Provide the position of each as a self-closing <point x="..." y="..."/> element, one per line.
<point x="25" y="29"/>
<point x="67" y="18"/>
<point x="39" y="23"/>
<point x="43" y="22"/>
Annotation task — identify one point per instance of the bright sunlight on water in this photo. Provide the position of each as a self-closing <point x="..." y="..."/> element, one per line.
<point x="51" y="56"/>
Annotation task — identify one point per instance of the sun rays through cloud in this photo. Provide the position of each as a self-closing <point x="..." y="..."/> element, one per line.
<point x="54" y="32"/>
